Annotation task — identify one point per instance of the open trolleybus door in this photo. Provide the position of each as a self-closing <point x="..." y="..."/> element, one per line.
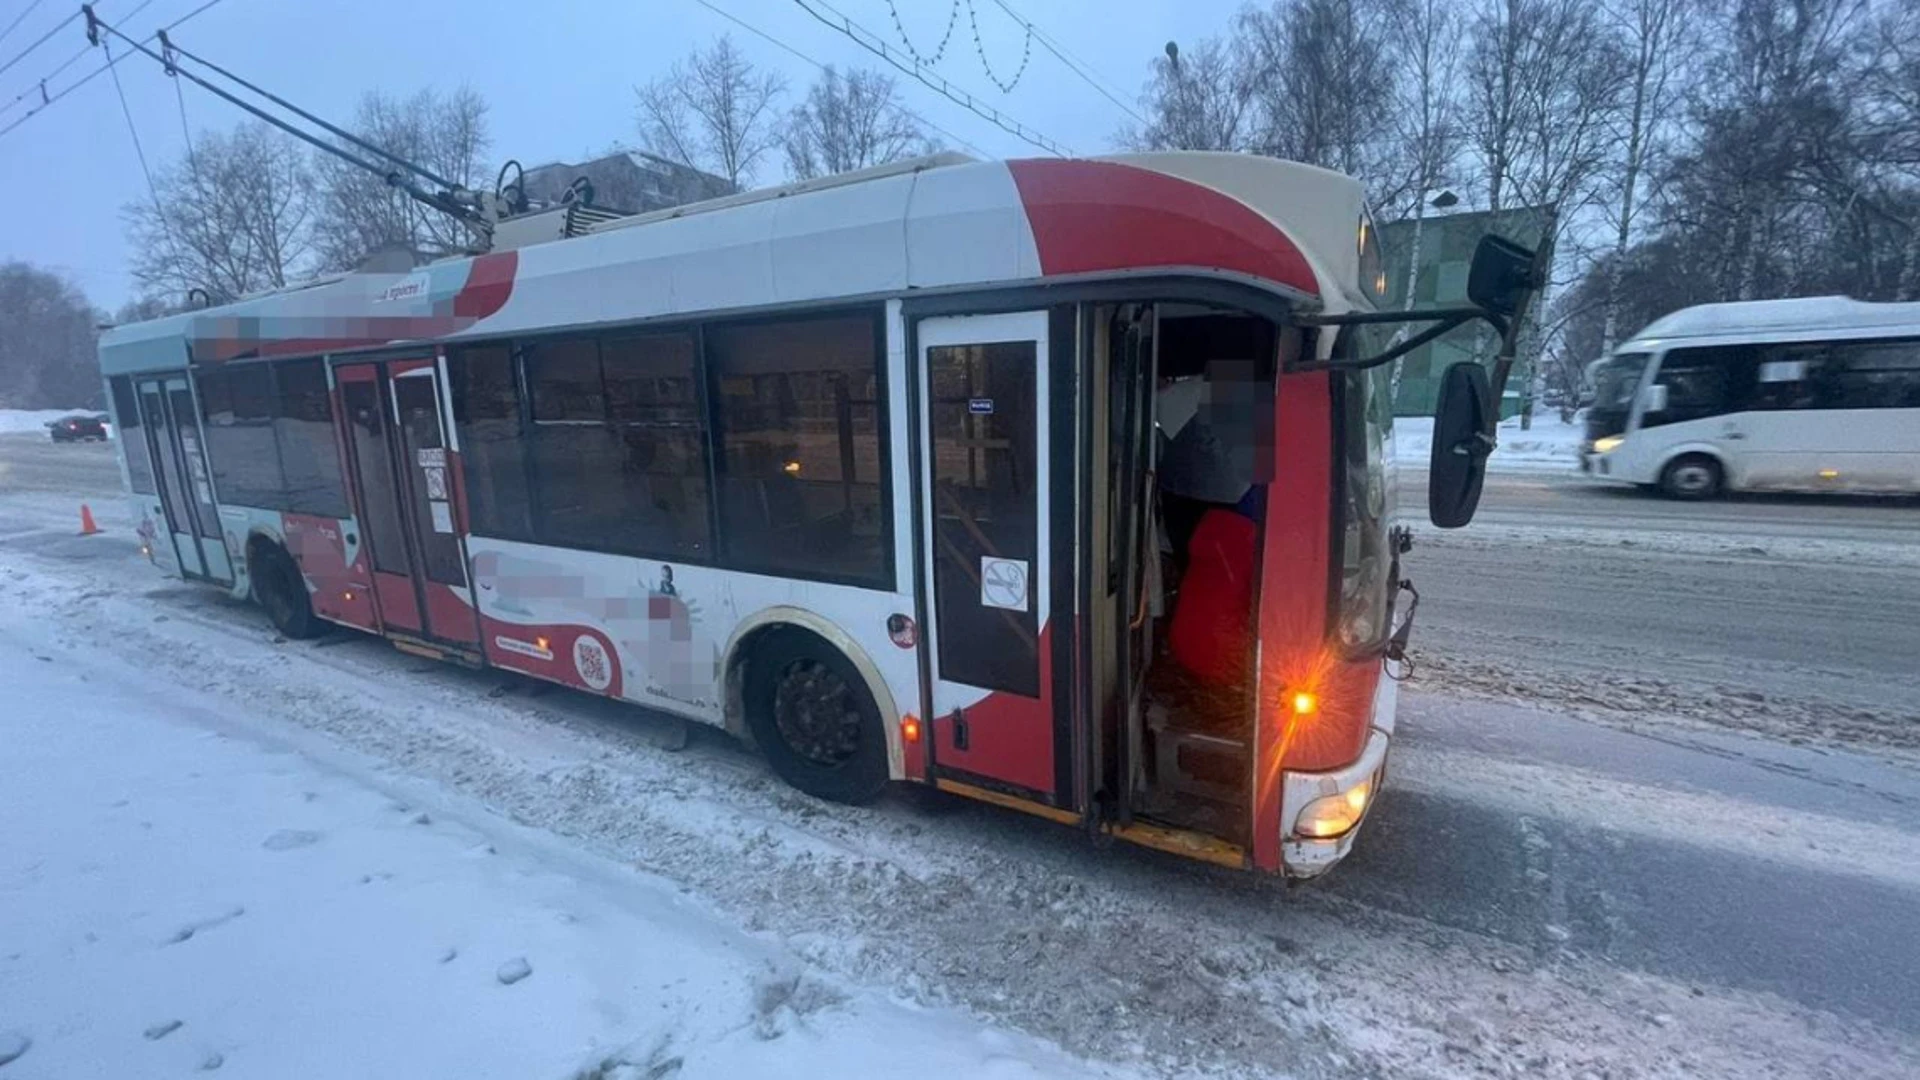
<point x="169" y="422"/>
<point x="987" y="530"/>
<point x="393" y="427"/>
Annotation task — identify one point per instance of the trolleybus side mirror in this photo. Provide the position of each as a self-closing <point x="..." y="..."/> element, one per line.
<point x="1499" y="276"/>
<point x="1461" y="442"/>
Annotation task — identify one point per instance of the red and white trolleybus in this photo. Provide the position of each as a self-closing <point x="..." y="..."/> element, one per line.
<point x="1057" y="484"/>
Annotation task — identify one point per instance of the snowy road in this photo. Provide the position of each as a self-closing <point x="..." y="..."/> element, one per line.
<point x="1566" y="499"/>
<point x="1537" y="895"/>
<point x="1791" y="616"/>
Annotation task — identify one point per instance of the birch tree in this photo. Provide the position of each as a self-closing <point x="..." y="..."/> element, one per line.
<point x="1654" y="34"/>
<point x="1891" y="104"/>
<point x="1322" y="81"/>
<point x="713" y="111"/>
<point x="1423" y="56"/>
<point x="848" y="122"/>
<point x="1768" y="169"/>
<point x="1200" y="98"/>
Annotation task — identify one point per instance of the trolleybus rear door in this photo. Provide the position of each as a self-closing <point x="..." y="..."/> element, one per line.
<point x="169" y="423"/>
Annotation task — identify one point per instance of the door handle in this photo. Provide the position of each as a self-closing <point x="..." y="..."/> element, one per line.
<point x="1736" y="435"/>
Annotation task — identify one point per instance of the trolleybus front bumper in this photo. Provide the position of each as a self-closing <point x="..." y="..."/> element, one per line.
<point x="1305" y="855"/>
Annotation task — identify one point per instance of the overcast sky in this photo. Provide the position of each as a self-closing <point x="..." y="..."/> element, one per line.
<point x="558" y="76"/>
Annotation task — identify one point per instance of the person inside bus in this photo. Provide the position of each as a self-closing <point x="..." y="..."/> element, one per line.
<point x="1210" y="496"/>
<point x="1209" y="437"/>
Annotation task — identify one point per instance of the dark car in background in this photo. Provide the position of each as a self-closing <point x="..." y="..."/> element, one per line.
<point x="79" y="427"/>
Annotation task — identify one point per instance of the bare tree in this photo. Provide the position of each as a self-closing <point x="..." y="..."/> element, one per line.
<point x="46" y="341"/>
<point x="360" y="213"/>
<point x="1497" y="111"/>
<point x="1655" y="35"/>
<point x="1891" y="123"/>
<point x="232" y="216"/>
<point x="1772" y="167"/>
<point x="1546" y="81"/>
<point x="1423" y="49"/>
<point x="848" y="122"/>
<point x="144" y="308"/>
<point x="713" y="111"/>
<point x="1198" y="99"/>
<point x="1693" y="150"/>
<point x="1318" y="69"/>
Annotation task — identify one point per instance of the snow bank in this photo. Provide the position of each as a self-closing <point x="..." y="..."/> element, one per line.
<point x="14" y="421"/>
<point x="181" y="898"/>
<point x="1550" y="446"/>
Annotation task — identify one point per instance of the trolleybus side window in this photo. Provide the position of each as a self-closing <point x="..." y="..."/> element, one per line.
<point x="309" y="449"/>
<point x="575" y="459"/>
<point x="236" y="404"/>
<point x="618" y="445"/>
<point x="797" y="404"/>
<point x="133" y="441"/>
<point x="652" y="398"/>
<point x="486" y="410"/>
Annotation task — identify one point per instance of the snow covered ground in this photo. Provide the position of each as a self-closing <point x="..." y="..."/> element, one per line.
<point x="184" y="890"/>
<point x="711" y="902"/>
<point x="1549" y="446"/>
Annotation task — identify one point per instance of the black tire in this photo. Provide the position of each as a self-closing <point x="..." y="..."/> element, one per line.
<point x="282" y="593"/>
<point x="1692" y="477"/>
<point x="810" y="711"/>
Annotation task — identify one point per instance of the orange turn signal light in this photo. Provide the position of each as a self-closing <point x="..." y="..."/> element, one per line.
<point x="910" y="729"/>
<point x="1305" y="704"/>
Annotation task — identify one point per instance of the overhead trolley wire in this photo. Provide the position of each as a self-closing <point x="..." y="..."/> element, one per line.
<point x="1061" y="54"/>
<point x="39" y="41"/>
<point x="443" y="201"/>
<point x="49" y="99"/>
<point x="770" y="39"/>
<point x="20" y="18"/>
<point x="871" y="42"/>
<point x="339" y="132"/>
<point x="41" y="86"/>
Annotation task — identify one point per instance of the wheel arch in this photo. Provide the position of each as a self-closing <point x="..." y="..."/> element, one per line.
<point x="260" y="536"/>
<point x="1697" y="449"/>
<point x="756" y="627"/>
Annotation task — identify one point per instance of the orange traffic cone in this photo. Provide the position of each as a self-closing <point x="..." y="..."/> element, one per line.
<point x="87" y="527"/>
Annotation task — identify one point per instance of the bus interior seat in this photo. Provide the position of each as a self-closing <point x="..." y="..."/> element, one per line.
<point x="1213" y="615"/>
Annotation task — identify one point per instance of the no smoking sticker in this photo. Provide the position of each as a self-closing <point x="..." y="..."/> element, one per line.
<point x="1003" y="583"/>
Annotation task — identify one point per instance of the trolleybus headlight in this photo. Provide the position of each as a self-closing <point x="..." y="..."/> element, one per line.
<point x="1332" y="816"/>
<point x="1606" y="444"/>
